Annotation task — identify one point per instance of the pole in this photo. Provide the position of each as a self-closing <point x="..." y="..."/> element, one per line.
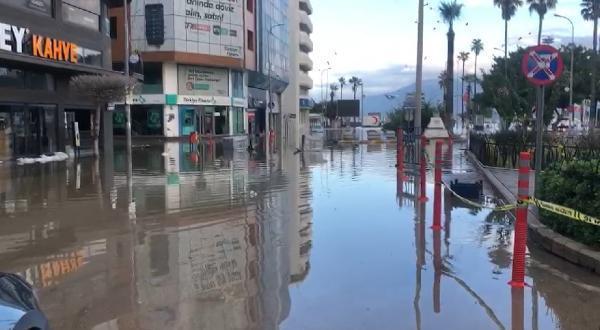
<point x="127" y="106"/>
<point x="423" y="171"/>
<point x="539" y="138"/>
<point x="126" y="71"/>
<point x="572" y="68"/>
<point x="419" y="78"/>
<point x="520" y="246"/>
<point x="269" y="97"/>
<point x="437" y="195"/>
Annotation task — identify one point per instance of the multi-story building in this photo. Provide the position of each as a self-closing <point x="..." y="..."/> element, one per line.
<point x="194" y="56"/>
<point x="297" y="102"/>
<point x="43" y="44"/>
<point x="269" y="72"/>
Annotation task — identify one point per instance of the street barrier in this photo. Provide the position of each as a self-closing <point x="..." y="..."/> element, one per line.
<point x="437" y="199"/>
<point x="563" y="210"/>
<point x="423" y="171"/>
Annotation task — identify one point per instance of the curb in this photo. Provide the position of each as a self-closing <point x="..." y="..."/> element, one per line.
<point x="559" y="245"/>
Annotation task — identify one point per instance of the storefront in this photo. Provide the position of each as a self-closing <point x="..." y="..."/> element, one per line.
<point x="42" y="45"/>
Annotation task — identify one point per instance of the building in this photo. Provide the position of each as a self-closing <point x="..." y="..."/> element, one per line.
<point x="43" y="44"/>
<point x="193" y="55"/>
<point x="270" y="70"/>
<point x="297" y="102"/>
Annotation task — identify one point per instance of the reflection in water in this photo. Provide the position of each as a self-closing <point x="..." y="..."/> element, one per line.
<point x="227" y="240"/>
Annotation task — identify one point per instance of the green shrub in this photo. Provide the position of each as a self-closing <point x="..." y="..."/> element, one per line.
<point x="574" y="184"/>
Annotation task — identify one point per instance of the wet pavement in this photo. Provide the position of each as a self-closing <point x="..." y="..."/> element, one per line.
<point x="224" y="240"/>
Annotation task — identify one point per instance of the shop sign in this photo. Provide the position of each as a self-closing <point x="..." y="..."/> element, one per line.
<point x="197" y="80"/>
<point x="139" y="99"/>
<point x="203" y="100"/>
<point x="14" y="38"/>
<point x="240" y="103"/>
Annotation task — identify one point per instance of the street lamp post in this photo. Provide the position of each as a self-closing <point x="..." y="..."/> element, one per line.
<point x="419" y="77"/>
<point x="572" y="64"/>
<point x="270" y="105"/>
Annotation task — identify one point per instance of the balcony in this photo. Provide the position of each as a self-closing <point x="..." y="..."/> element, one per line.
<point x="305" y="22"/>
<point x="306" y="6"/>
<point x="306" y="64"/>
<point x="306" y="44"/>
<point x="304" y="80"/>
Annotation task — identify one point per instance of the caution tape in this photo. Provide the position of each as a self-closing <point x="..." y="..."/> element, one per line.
<point x="563" y="210"/>
<point x="503" y="208"/>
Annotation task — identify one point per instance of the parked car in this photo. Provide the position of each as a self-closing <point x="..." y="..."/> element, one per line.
<point x="19" y="308"/>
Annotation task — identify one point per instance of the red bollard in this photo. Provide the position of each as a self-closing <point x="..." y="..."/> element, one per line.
<point x="423" y="171"/>
<point x="399" y="149"/>
<point x="437" y="271"/>
<point x="518" y="270"/>
<point x="437" y="194"/>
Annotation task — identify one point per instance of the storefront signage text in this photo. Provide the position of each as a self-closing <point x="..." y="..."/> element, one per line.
<point x="13" y="38"/>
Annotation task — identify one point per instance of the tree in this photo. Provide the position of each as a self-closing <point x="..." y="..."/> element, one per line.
<point x="541" y="7"/>
<point x="591" y="12"/>
<point x="101" y="89"/>
<point x="342" y="81"/>
<point x="333" y="88"/>
<point x="354" y="82"/>
<point x="509" y="9"/>
<point x="450" y="12"/>
<point x="397" y="118"/>
<point x="476" y="48"/>
<point x="464" y="57"/>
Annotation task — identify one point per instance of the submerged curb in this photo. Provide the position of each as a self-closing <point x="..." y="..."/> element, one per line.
<point x="551" y="241"/>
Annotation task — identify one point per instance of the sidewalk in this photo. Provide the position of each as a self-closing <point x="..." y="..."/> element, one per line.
<point x="505" y="182"/>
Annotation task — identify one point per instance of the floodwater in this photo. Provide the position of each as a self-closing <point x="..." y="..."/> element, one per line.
<point x="221" y="240"/>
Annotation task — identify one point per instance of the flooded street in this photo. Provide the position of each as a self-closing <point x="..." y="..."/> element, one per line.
<point x="222" y="240"/>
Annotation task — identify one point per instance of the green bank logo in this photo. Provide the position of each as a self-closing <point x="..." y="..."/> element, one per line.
<point x="190" y="86"/>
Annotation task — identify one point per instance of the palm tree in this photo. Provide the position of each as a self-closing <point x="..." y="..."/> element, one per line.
<point x="450" y="12"/>
<point x="342" y="81"/>
<point x="591" y="12"/>
<point x="541" y="7"/>
<point x="463" y="56"/>
<point x="354" y="82"/>
<point x="476" y="48"/>
<point x="333" y="88"/>
<point x="509" y="9"/>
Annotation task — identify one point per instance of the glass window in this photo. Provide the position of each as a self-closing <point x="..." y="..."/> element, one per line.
<point x="89" y="57"/>
<point x="80" y="17"/>
<point x="238" y="83"/>
<point x="44" y="7"/>
<point x="113" y="27"/>
<point x="12" y="78"/>
<point x="39" y="81"/>
<point x="238" y="120"/>
<point x="92" y="6"/>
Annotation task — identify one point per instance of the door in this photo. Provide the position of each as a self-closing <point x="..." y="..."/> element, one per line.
<point x="187" y="121"/>
<point x="6" y="136"/>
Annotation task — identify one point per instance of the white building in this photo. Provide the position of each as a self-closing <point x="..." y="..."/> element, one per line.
<point x="296" y="100"/>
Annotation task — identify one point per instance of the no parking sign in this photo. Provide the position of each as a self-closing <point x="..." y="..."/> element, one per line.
<point x="542" y="65"/>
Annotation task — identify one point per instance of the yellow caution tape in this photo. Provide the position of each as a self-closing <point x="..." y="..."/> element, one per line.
<point x="562" y="210"/>
<point x="502" y="208"/>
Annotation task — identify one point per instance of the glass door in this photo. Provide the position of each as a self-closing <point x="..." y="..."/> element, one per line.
<point x="6" y="135"/>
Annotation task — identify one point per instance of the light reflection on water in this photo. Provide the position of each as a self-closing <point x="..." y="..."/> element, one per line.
<point x="224" y="240"/>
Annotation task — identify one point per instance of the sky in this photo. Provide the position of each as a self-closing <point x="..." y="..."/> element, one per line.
<point x="376" y="40"/>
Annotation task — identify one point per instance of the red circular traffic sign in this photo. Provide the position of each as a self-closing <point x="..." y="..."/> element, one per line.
<point x="542" y="65"/>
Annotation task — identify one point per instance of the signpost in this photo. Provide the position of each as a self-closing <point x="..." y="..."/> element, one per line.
<point x="542" y="65"/>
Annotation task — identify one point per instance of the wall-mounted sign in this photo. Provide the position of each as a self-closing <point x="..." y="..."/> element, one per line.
<point x="241" y="103"/>
<point x="19" y="40"/>
<point x="210" y="27"/>
<point x="197" y="80"/>
<point x="146" y="99"/>
<point x="203" y="100"/>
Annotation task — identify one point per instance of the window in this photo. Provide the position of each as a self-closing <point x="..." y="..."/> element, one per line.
<point x="43" y="7"/>
<point x="113" y="27"/>
<point x="237" y="78"/>
<point x="23" y="79"/>
<point x="238" y="120"/>
<point x="89" y="57"/>
<point x="80" y="17"/>
<point x="250" y="5"/>
<point x="250" y="35"/>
